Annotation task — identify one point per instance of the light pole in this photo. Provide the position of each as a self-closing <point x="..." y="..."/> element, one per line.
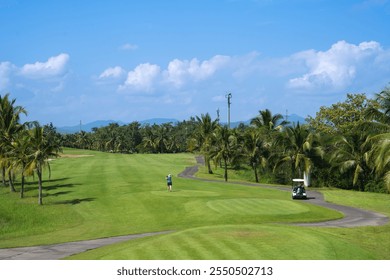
<point x="229" y="97"/>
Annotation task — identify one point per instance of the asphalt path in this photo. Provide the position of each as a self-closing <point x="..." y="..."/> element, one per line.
<point x="353" y="217"/>
<point x="59" y="251"/>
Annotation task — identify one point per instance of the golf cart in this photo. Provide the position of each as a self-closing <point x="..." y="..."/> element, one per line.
<point x="298" y="189"/>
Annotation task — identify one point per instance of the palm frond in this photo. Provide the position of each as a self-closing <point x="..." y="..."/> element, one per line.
<point x="347" y="165"/>
<point x="386" y="178"/>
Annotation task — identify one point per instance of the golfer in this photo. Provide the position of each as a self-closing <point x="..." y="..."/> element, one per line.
<point x="169" y="182"/>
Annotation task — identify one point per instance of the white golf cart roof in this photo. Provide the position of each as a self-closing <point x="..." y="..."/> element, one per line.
<point x="298" y="180"/>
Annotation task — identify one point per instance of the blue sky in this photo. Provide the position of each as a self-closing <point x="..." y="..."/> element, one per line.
<point x="67" y="61"/>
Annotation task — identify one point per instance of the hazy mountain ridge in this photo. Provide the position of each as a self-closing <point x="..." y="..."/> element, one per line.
<point x="101" y="123"/>
<point x="293" y="118"/>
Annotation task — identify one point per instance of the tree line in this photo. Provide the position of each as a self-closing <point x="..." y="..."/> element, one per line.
<point x="25" y="148"/>
<point x="346" y="145"/>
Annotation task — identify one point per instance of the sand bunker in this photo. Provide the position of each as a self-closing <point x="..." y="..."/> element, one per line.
<point x="73" y="156"/>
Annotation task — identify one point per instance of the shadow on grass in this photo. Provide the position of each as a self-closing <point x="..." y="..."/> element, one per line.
<point x="53" y="188"/>
<point x="58" y="193"/>
<point x="47" y="184"/>
<point x="57" y="186"/>
<point x="75" y="201"/>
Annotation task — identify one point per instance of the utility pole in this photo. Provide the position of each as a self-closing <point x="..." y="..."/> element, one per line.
<point x="218" y="115"/>
<point x="229" y="97"/>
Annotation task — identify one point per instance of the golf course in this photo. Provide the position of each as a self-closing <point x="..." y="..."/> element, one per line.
<point x="93" y="195"/>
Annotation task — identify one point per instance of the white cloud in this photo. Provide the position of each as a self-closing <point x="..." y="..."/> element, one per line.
<point x="336" y="68"/>
<point x="128" y="47"/>
<point x="37" y="77"/>
<point x="5" y="71"/>
<point x="219" y="98"/>
<point x="112" y="72"/>
<point x="142" y="77"/>
<point x="181" y="71"/>
<point x="342" y="67"/>
<point x="54" y="66"/>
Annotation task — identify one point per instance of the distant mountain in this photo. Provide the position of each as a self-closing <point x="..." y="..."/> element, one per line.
<point x="158" y="121"/>
<point x="293" y="118"/>
<point x="236" y="124"/>
<point x="88" y="127"/>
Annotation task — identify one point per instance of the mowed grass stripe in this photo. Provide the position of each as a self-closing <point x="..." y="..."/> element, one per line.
<point x="179" y="247"/>
<point x="212" y="247"/>
<point x="256" y="206"/>
<point x="237" y="242"/>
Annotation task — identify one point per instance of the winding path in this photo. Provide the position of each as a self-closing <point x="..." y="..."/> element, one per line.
<point x="353" y="217"/>
<point x="59" y="251"/>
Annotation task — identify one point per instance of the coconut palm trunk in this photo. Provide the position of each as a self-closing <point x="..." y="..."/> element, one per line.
<point x="11" y="181"/>
<point x="39" y="173"/>
<point x="208" y="164"/>
<point x="254" y="167"/>
<point x="22" y="187"/>
<point x="3" y="175"/>
<point x="225" y="176"/>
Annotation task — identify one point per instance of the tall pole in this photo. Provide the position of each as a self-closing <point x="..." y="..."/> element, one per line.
<point x="229" y="97"/>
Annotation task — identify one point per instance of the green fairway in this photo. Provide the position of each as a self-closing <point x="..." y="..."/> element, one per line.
<point x="93" y="195"/>
<point x="256" y="206"/>
<point x="243" y="242"/>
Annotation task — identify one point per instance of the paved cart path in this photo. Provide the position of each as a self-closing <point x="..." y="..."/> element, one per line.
<point x="59" y="251"/>
<point x="353" y="217"/>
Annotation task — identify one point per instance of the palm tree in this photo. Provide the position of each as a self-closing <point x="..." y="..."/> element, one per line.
<point x="98" y="139"/>
<point x="352" y="154"/>
<point x="20" y="157"/>
<point x="380" y="157"/>
<point x="256" y="150"/>
<point x="225" y="147"/>
<point x="9" y="128"/>
<point x="379" y="117"/>
<point x="41" y="151"/>
<point x="269" y="122"/>
<point x="133" y="136"/>
<point x="148" y="139"/>
<point x="112" y="134"/>
<point x="162" y="135"/>
<point x="205" y="128"/>
<point x="299" y="148"/>
<point x="83" y="139"/>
